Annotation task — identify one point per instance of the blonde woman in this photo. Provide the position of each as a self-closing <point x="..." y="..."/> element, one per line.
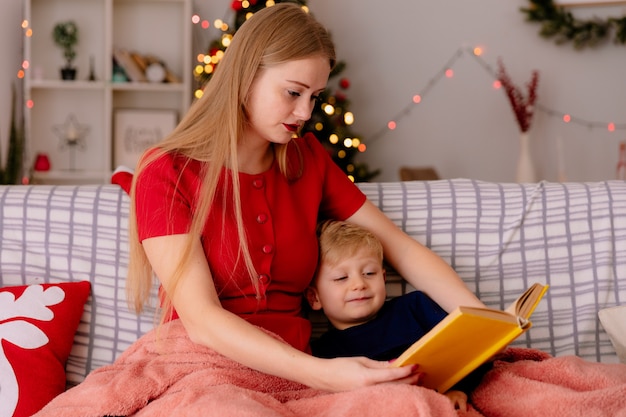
<point x="224" y="211"/>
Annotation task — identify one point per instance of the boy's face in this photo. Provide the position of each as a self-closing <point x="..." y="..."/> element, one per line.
<point x="350" y="292"/>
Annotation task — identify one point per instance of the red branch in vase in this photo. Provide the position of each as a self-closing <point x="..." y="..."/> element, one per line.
<point x="523" y="107"/>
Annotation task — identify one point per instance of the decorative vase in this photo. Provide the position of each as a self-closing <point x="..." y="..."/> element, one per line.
<point x="525" y="167"/>
<point x="42" y="162"/>
<point x="68" y="73"/>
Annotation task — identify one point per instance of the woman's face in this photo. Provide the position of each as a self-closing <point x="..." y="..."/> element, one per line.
<point x="282" y="98"/>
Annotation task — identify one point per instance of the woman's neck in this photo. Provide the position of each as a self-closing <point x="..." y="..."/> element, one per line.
<point x="255" y="160"/>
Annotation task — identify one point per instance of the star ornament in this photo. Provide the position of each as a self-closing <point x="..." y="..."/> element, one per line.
<point x="71" y="133"/>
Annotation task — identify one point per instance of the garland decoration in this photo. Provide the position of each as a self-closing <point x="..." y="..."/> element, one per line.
<point x="523" y="107"/>
<point x="420" y="98"/>
<point x="559" y="23"/>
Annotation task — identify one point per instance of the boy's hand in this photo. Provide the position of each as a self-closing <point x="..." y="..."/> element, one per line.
<point x="458" y="399"/>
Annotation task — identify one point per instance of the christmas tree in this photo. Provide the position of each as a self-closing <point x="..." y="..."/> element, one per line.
<point x="330" y="121"/>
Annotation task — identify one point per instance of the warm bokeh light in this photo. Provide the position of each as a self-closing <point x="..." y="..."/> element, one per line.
<point x="347" y="142"/>
<point x="20" y="74"/>
<point x="328" y="109"/>
<point x="362" y="147"/>
<point x="25" y="64"/>
<point x="478" y="51"/>
<point x="497" y="84"/>
<point x="356" y="142"/>
<point x="319" y="126"/>
<point x="341" y="154"/>
<point x="30" y="104"/>
<point x="611" y="127"/>
<point x="333" y="139"/>
<point x="199" y="69"/>
<point x="24" y="24"/>
<point x="417" y="99"/>
<point x="391" y="125"/>
<point x="205" y="24"/>
<point x="195" y="19"/>
<point x="29" y="32"/>
<point x="348" y="118"/>
<point x="449" y="73"/>
<point x="198" y="93"/>
<point x="567" y="118"/>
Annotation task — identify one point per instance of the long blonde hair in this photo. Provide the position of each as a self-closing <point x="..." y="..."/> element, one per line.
<point x="214" y="124"/>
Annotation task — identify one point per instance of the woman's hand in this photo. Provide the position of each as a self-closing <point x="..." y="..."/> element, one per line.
<point x="342" y="374"/>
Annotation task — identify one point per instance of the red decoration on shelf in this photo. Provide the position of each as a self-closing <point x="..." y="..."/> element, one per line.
<point x="42" y="162"/>
<point x="523" y="107"/>
<point x="344" y="83"/>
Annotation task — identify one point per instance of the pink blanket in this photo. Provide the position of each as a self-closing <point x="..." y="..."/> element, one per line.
<point x="165" y="374"/>
<point x="526" y="382"/>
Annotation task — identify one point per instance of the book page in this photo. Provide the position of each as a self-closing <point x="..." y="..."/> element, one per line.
<point x="528" y="301"/>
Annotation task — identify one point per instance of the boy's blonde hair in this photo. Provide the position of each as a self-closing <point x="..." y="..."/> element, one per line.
<point x="213" y="128"/>
<point x="339" y="240"/>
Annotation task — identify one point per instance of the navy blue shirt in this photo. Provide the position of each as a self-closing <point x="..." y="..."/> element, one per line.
<point x="399" y="323"/>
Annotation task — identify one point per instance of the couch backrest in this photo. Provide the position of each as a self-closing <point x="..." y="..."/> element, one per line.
<point x="499" y="238"/>
<point x="74" y="233"/>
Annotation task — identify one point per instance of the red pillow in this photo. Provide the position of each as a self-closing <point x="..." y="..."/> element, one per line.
<point x="37" y="327"/>
<point x="123" y="176"/>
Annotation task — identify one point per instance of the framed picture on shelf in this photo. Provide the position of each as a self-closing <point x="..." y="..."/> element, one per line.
<point x="135" y="130"/>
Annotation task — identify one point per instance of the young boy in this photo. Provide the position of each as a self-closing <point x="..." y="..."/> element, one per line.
<point x="349" y="286"/>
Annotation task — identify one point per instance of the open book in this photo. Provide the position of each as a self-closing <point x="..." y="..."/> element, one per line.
<point x="467" y="338"/>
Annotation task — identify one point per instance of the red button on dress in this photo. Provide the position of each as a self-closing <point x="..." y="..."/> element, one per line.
<point x="258" y="183"/>
<point x="268" y="248"/>
<point x="261" y="218"/>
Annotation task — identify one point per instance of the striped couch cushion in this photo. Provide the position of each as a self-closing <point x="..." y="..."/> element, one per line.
<point x="499" y="238"/>
<point x="74" y="233"/>
<point x="502" y="237"/>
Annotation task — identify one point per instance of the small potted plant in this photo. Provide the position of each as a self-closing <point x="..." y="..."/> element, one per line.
<point x="65" y="35"/>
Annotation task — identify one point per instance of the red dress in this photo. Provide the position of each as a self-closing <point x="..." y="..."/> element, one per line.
<point x="280" y="217"/>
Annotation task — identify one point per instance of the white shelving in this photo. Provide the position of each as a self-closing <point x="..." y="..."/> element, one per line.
<point x="161" y="28"/>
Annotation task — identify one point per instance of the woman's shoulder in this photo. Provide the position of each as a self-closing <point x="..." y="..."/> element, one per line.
<point x="170" y="167"/>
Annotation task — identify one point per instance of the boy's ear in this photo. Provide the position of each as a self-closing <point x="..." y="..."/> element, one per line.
<point x="312" y="298"/>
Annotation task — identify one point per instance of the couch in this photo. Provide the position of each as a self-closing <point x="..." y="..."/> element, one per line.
<point x="499" y="237"/>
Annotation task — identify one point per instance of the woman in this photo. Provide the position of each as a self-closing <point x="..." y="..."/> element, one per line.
<point x="224" y="211"/>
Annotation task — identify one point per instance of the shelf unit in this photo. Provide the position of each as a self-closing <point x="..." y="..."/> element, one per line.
<point x="161" y="28"/>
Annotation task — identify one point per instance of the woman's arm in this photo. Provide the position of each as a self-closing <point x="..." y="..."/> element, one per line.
<point x="421" y="267"/>
<point x="198" y="306"/>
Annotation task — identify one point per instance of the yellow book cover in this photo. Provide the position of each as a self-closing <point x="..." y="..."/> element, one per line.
<point x="467" y="338"/>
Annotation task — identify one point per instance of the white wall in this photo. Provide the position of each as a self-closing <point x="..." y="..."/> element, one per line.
<point x="463" y="127"/>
